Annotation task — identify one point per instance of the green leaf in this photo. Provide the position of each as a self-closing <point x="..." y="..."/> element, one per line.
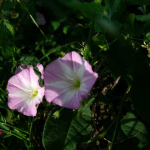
<point x="143" y="17"/>
<point x="55" y="25"/>
<point x="29" y="60"/>
<point x="2" y="126"/>
<point x="131" y="126"/>
<point x="129" y="25"/>
<point x="113" y="6"/>
<point x="66" y="29"/>
<point x="9" y="26"/>
<point x="68" y="130"/>
<point x="147" y="37"/>
<point x="97" y="1"/>
<point x="90" y="10"/>
<point x="6" y="39"/>
<point x="7" y="7"/>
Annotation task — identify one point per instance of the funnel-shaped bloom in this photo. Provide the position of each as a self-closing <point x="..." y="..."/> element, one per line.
<point x="24" y="92"/>
<point x="68" y="80"/>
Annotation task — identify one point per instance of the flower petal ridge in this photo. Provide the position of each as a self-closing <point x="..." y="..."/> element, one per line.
<point x="24" y="92"/>
<point x="68" y="80"/>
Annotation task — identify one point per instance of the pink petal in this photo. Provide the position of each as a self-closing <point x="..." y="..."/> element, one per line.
<point x="29" y="110"/>
<point x="41" y="69"/>
<point x="19" y="89"/>
<point x="20" y="68"/>
<point x="57" y="87"/>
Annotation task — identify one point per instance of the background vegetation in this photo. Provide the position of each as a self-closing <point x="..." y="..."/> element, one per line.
<point x="114" y="36"/>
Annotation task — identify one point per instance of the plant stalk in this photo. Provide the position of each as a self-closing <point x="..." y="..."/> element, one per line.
<point x="117" y="122"/>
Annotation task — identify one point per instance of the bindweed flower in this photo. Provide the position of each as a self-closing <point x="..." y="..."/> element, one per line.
<point x="24" y="91"/>
<point x="68" y="80"/>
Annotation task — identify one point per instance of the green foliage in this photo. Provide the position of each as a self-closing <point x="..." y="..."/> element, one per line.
<point x="143" y="17"/>
<point x="7" y="32"/>
<point x="29" y="60"/>
<point x="114" y="37"/>
<point x="90" y="10"/>
<point x="69" y="130"/>
<point x="132" y="127"/>
<point x="97" y="1"/>
<point x="129" y="25"/>
<point x="113" y="6"/>
<point x="9" y="26"/>
<point x="55" y="25"/>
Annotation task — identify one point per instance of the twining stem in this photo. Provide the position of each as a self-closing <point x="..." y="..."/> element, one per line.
<point x="117" y="122"/>
<point x="3" y="145"/>
<point x="23" y="4"/>
<point x="31" y="129"/>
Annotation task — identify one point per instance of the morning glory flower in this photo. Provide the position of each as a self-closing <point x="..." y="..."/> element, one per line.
<point x="24" y="91"/>
<point x="68" y="80"/>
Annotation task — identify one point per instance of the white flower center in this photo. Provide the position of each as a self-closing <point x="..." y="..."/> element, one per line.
<point x="76" y="82"/>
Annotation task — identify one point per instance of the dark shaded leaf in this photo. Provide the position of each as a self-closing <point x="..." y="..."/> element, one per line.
<point x="29" y="60"/>
<point x="68" y="130"/>
<point x="132" y="127"/>
<point x="138" y="2"/>
<point x="143" y="17"/>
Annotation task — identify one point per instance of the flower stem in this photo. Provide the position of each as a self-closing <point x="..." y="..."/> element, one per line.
<point x="87" y="48"/>
<point x="23" y="4"/>
<point x="117" y="122"/>
<point x="101" y="135"/>
<point x="31" y="133"/>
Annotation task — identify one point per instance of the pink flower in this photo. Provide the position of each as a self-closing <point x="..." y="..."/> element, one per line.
<point x="24" y="92"/>
<point x="68" y="80"/>
<point x="1" y="132"/>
